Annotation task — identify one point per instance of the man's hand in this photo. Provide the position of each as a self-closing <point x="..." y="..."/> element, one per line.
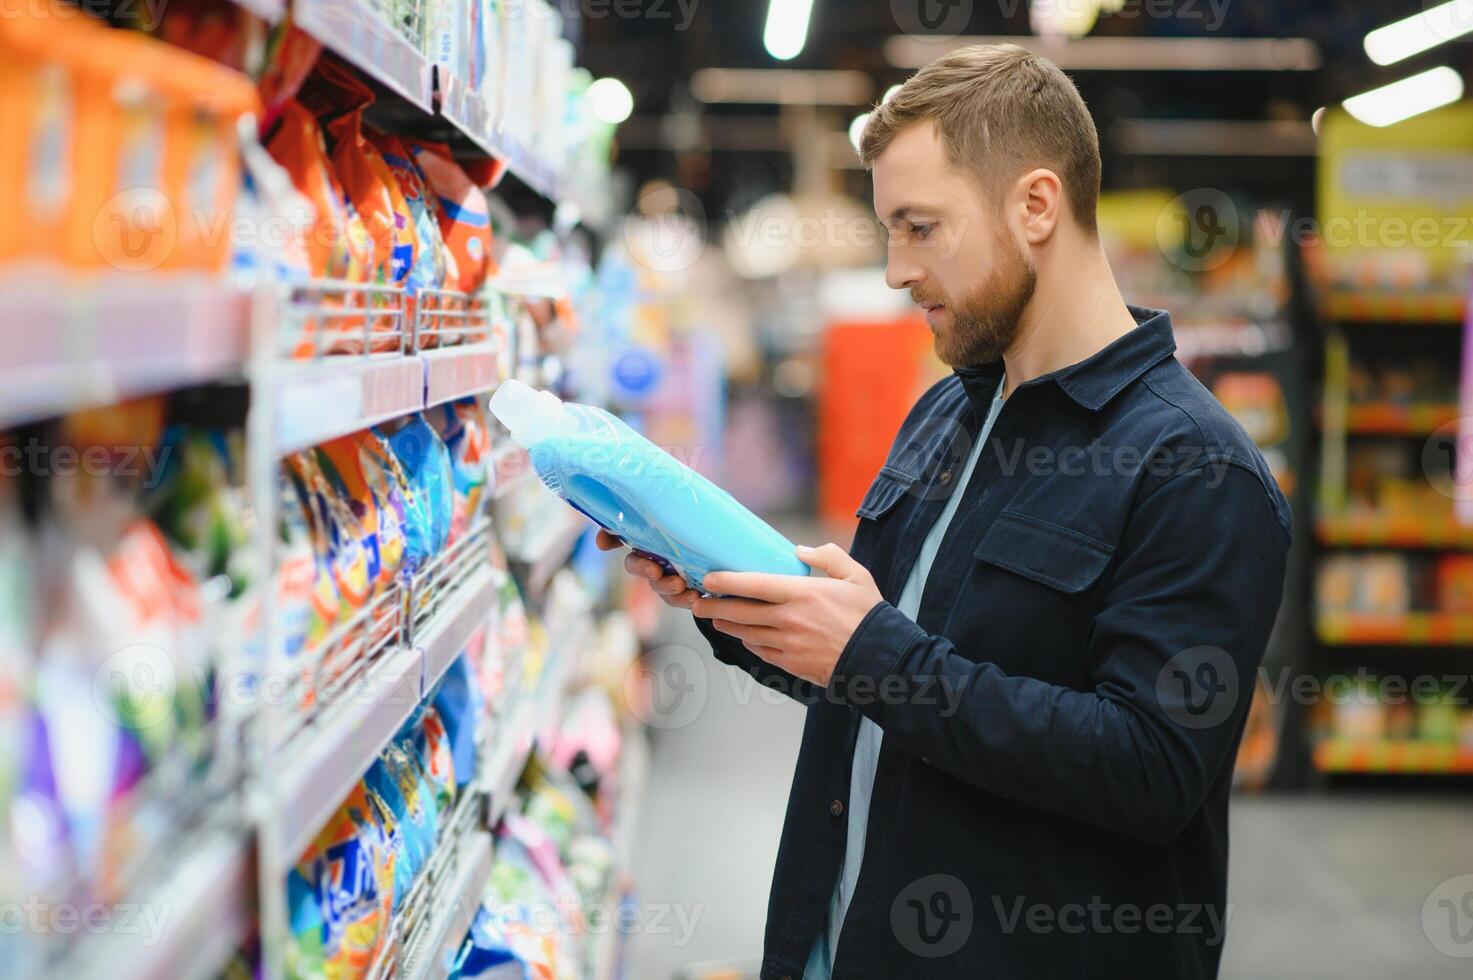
<point x="672" y="588"/>
<point x="800" y="625"/>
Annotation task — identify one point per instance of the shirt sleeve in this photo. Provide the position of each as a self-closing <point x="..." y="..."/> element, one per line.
<point x="1171" y="668"/>
<point x="730" y="651"/>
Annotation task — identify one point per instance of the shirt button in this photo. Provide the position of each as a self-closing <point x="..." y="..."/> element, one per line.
<point x="946" y="478"/>
<point x="837" y="808"/>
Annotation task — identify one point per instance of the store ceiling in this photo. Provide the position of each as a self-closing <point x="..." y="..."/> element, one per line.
<point x="735" y="153"/>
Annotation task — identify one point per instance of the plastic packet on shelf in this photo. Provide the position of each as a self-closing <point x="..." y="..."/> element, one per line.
<point x="305" y="957"/>
<point x="308" y="601"/>
<point x="199" y="501"/>
<point x="348" y="869"/>
<point x="347" y="554"/>
<point x="457" y="700"/>
<point x="338" y="246"/>
<point x="432" y="746"/>
<point x="383" y="793"/>
<point x="419" y="818"/>
<point x="462" y="426"/>
<point x="426" y="463"/>
<point x="355" y="468"/>
<point x="375" y="192"/>
<point x="428" y="268"/>
<point x="464" y="216"/>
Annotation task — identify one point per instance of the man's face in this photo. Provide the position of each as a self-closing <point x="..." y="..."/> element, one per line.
<point x="949" y="246"/>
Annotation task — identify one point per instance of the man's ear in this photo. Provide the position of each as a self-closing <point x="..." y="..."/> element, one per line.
<point x="1040" y="197"/>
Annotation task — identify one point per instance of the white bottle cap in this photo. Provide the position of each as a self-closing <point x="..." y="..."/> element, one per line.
<point x="529" y="414"/>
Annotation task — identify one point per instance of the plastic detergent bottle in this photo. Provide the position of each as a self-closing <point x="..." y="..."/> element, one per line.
<point x="636" y="490"/>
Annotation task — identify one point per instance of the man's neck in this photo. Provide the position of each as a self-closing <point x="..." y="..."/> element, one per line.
<point x="1071" y="317"/>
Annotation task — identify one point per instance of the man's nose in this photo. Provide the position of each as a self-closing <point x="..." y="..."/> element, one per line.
<point x="900" y="274"/>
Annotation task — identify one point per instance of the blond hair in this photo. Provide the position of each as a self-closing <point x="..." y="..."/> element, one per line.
<point x="1000" y="110"/>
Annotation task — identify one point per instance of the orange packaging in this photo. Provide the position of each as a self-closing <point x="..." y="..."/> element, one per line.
<point x="201" y="166"/>
<point x="465" y="218"/>
<point x="121" y="218"/>
<point x="40" y="50"/>
<point x="375" y="192"/>
<point x="110" y="131"/>
<point x="290" y="55"/>
<point x="333" y="248"/>
<point x="338" y="245"/>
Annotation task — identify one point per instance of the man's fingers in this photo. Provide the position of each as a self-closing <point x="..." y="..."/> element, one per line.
<point x="770" y="654"/>
<point x="642" y="567"/>
<point x="753" y="585"/>
<point x="743" y="611"/>
<point x="682" y="600"/>
<point x="761" y="635"/>
<point x="830" y="559"/>
<point x="607" y="541"/>
<point x="670" y="585"/>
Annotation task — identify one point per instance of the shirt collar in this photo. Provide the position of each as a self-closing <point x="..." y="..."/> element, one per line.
<point x="1094" y="381"/>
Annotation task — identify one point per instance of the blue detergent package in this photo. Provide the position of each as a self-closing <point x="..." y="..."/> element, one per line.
<point x="636" y="490"/>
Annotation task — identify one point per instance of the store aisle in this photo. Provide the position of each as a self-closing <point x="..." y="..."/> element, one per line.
<point x="1322" y="886"/>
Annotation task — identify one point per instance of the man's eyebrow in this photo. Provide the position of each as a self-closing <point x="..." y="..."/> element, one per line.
<point x="906" y="211"/>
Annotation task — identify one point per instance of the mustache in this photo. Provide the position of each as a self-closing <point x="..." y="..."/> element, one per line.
<point x="918" y="297"/>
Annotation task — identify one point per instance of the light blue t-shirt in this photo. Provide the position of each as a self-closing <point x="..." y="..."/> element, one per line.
<point x="867" y="742"/>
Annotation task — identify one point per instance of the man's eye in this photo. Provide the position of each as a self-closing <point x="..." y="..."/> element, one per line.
<point x="921" y="231"/>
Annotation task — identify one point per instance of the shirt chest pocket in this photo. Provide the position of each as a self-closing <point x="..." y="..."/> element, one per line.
<point x="887" y="490"/>
<point x="1037" y="586"/>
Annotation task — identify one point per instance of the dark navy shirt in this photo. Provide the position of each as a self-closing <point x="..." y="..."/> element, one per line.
<point x="1061" y="717"/>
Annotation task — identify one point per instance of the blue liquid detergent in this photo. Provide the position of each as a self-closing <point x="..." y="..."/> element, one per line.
<point x="634" y="489"/>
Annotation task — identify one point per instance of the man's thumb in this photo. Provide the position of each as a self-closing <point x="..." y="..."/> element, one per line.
<point x="830" y="559"/>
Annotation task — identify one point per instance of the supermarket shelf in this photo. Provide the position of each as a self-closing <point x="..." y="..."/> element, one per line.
<point x="73" y="343"/>
<point x="455" y="372"/>
<point x="1402" y="532"/>
<point x="210" y="911"/>
<point x="1407" y="629"/>
<point x="432" y="951"/>
<point x="320" y="400"/>
<point x="554" y="550"/>
<point x="357" y="32"/>
<point x="463" y="107"/>
<point x="1395" y="756"/>
<point x="1396" y="420"/>
<point x="447" y="634"/>
<point x="341" y="743"/>
<point x="511" y="747"/>
<point x="1408" y="307"/>
<point x="325" y="761"/>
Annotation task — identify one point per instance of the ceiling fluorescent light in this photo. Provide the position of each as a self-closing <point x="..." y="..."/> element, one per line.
<point x="787" y="28"/>
<point x="1130" y="53"/>
<point x="781" y="86"/>
<point x="1409" y="97"/>
<point x="1420" y="32"/>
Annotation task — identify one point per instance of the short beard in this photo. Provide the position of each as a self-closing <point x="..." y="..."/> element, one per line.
<point x="985" y="323"/>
